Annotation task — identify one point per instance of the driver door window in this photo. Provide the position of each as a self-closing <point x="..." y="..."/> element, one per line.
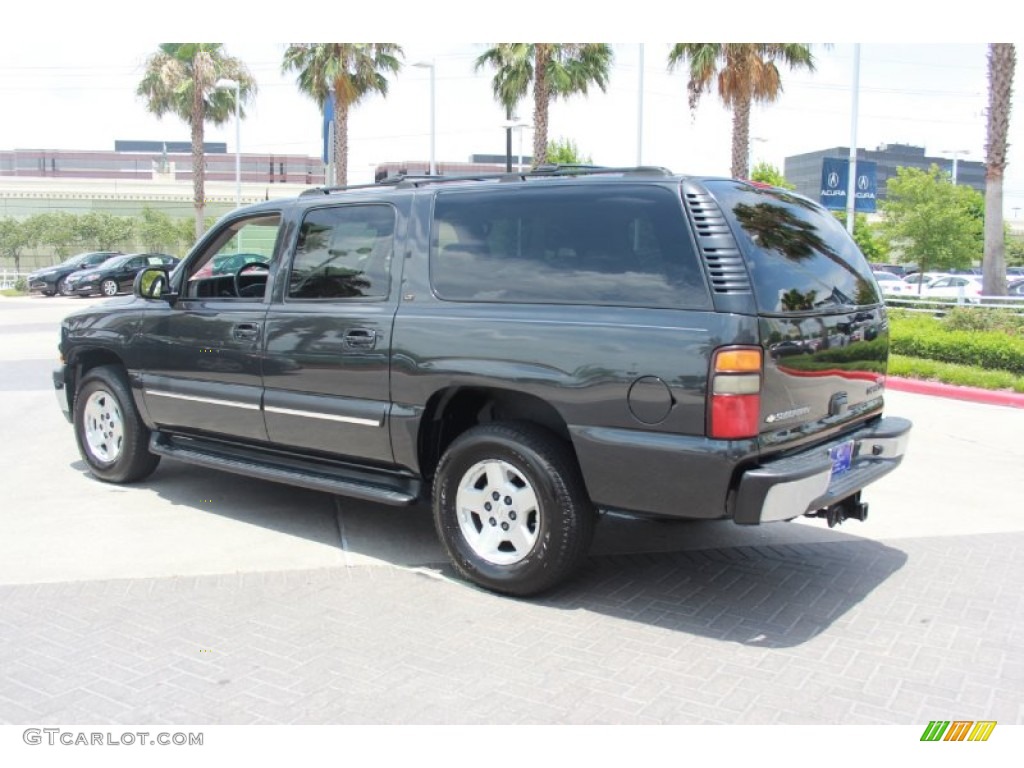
<point x="234" y="266"/>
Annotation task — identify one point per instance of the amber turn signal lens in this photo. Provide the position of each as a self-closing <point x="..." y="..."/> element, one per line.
<point x="738" y="361"/>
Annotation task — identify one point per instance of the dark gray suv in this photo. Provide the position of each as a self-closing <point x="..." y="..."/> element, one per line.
<point x="522" y="350"/>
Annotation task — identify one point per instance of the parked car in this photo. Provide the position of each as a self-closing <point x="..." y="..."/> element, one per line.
<point x="954" y="287"/>
<point x="922" y="278"/>
<point x="115" y="274"/>
<point x="519" y="355"/>
<point x="1015" y="288"/>
<point x="893" y="285"/>
<point x="51" y="280"/>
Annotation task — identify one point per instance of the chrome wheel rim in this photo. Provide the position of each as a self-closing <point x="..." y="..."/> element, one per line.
<point x="104" y="426"/>
<point x="498" y="512"/>
<point x="109" y="288"/>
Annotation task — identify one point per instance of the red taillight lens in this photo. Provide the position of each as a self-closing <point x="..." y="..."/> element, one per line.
<point x="735" y="393"/>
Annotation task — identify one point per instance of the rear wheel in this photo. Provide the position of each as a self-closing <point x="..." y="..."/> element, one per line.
<point x="510" y="508"/>
<point x="111" y="437"/>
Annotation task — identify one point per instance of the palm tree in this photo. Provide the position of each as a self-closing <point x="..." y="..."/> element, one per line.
<point x="351" y="71"/>
<point x="744" y="73"/>
<point x="1002" y="61"/>
<point x="181" y="79"/>
<point x="554" y="69"/>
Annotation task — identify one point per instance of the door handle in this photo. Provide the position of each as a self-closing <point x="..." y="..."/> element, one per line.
<point x="361" y="338"/>
<point x="246" y="331"/>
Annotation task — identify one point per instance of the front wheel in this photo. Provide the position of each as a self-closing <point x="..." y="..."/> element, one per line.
<point x="111" y="436"/>
<point x="62" y="287"/>
<point x="108" y="288"/>
<point x="510" y="508"/>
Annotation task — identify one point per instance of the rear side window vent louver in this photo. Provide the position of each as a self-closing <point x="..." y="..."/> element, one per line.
<point x="717" y="246"/>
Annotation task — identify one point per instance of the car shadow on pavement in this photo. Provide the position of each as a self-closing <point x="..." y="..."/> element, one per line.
<point x="770" y="586"/>
<point x="768" y="595"/>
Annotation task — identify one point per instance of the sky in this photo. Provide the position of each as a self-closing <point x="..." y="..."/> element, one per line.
<point x="78" y="92"/>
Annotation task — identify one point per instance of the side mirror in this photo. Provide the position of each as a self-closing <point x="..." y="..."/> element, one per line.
<point x="153" y="283"/>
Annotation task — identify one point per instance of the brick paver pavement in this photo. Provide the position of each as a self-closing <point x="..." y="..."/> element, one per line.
<point x="840" y="632"/>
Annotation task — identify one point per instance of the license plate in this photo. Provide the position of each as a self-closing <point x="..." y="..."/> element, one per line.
<point x="842" y="457"/>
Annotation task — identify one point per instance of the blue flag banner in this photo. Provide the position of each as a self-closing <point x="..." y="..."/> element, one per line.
<point x="834" y="178"/>
<point x="328" y="117"/>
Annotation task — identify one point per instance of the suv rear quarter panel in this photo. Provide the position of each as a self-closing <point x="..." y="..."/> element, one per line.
<point x="627" y="382"/>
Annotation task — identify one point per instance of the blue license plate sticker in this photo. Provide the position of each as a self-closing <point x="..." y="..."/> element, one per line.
<point x="842" y="457"/>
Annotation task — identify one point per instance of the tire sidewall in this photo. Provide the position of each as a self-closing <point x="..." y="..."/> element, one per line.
<point x="537" y="570"/>
<point x="135" y="436"/>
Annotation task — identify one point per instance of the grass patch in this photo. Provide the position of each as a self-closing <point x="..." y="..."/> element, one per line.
<point x="12" y="292"/>
<point x="953" y="373"/>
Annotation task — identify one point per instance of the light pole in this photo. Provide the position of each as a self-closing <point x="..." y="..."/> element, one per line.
<point x="516" y="123"/>
<point x="433" y="131"/>
<point x="956" y="155"/>
<point x="227" y="83"/>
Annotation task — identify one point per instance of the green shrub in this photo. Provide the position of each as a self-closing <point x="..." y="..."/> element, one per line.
<point x="930" y="338"/>
<point x="21" y="285"/>
<point x="985" y="319"/>
<point x="949" y="373"/>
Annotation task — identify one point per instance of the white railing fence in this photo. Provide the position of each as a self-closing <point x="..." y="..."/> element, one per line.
<point x="8" y="277"/>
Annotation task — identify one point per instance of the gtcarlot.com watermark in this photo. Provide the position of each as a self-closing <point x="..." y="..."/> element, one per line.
<point x="54" y="736"/>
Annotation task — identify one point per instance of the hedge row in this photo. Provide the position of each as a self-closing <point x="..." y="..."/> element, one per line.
<point x="930" y="338"/>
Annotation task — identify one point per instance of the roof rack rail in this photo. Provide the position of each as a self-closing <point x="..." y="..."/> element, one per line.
<point x="328" y="190"/>
<point x="412" y="181"/>
<point x="570" y="169"/>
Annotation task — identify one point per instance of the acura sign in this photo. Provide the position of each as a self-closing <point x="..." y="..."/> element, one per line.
<point x="834" y="178"/>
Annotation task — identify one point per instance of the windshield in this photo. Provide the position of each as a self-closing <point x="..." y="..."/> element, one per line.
<point x="800" y="257"/>
<point x="116" y="261"/>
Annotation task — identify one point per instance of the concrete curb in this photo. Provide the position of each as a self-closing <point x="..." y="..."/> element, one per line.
<point x="972" y="394"/>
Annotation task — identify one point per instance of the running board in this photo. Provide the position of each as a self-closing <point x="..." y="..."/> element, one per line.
<point x="358" y="484"/>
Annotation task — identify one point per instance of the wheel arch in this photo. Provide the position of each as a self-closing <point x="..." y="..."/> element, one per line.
<point x="83" y="361"/>
<point x="451" y="411"/>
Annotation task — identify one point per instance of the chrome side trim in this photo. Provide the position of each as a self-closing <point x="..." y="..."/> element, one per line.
<point x="207" y="400"/>
<point x="324" y="416"/>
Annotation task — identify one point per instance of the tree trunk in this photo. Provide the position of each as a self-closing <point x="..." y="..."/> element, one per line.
<point x="340" y="143"/>
<point x="541" y="100"/>
<point x="198" y="162"/>
<point x="1002" y="59"/>
<point x="741" y="137"/>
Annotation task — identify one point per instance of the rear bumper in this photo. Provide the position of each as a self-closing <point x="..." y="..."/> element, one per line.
<point x="792" y="486"/>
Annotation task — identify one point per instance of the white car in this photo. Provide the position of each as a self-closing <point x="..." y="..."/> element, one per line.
<point x="954" y="287"/>
<point x="893" y="285"/>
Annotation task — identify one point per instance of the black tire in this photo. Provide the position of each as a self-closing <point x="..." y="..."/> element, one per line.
<point x="556" y="531"/>
<point x="111" y="437"/>
<point x="109" y="288"/>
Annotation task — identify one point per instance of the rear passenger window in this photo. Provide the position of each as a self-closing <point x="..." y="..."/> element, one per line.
<point x="621" y="245"/>
<point x="344" y="252"/>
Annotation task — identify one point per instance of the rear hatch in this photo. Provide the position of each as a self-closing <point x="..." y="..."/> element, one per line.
<point x="823" y="326"/>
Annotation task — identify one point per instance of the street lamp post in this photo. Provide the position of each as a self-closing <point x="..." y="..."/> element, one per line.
<point x="956" y="156"/>
<point x="433" y="131"/>
<point x="516" y="123"/>
<point x="226" y="83"/>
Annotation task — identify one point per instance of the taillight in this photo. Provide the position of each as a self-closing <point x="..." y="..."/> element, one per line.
<point x="735" y="392"/>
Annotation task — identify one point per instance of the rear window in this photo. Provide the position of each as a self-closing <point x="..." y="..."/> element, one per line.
<point x="625" y="245"/>
<point x="799" y="256"/>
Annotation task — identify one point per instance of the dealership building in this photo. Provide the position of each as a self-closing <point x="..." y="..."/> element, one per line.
<point x="805" y="170"/>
